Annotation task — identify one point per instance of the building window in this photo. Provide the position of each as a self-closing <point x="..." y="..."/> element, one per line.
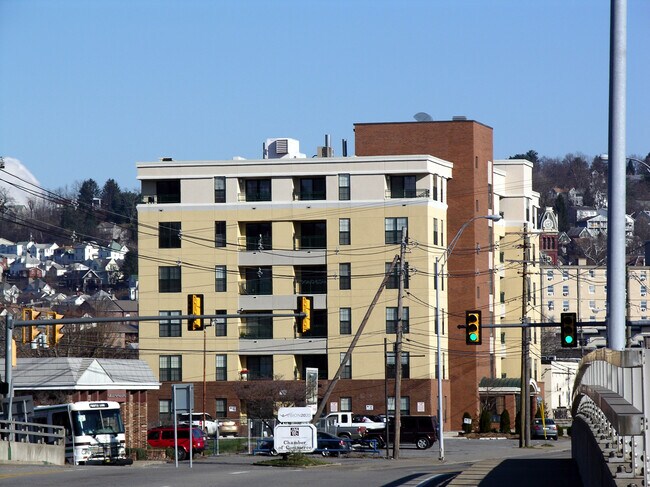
<point x="345" y="278"/>
<point x="391" y="319"/>
<point x="219" y="234"/>
<point x="435" y="231"/>
<point x="592" y="289"/>
<point x="220" y="189"/>
<point x="257" y="327"/>
<point x="565" y="305"/>
<point x="390" y="365"/>
<point x="165" y="411"/>
<point x="221" y="367"/>
<point x="549" y="291"/>
<point x="549" y="275"/>
<point x="169" y="235"/>
<point x="168" y="191"/>
<point x="312" y="189"/>
<point x="643" y="276"/>
<point x="220" y="278"/>
<point x="258" y="190"/>
<point x="565" y="275"/>
<point x="565" y="290"/>
<point x="644" y="306"/>
<point x="592" y="305"/>
<point x="592" y="273"/>
<point x="170" y="327"/>
<point x="551" y="305"/>
<point x="170" y="368"/>
<point x="643" y="289"/>
<point x="169" y="279"/>
<point x="346" y="404"/>
<point x="221" y="407"/>
<point x="344" y="231"/>
<point x="393" y="229"/>
<point x="345" y="321"/>
<point x="503" y="338"/>
<point x="435" y="187"/>
<point x="346" y="373"/>
<point x="405" y="406"/>
<point x="221" y="324"/>
<point x="260" y="367"/>
<point x="258" y="281"/>
<point x="402" y="186"/>
<point x="259" y="236"/>
<point x="393" y="280"/>
<point x="344" y="187"/>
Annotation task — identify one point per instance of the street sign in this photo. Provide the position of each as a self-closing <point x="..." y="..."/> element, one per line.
<point x="295" y="415"/>
<point x="294" y="438"/>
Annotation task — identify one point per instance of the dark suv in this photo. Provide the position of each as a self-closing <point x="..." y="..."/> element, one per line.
<point x="163" y="437"/>
<point x="420" y="430"/>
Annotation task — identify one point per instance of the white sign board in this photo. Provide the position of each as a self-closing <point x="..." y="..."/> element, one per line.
<point x="295" y="415"/>
<point x="294" y="438"/>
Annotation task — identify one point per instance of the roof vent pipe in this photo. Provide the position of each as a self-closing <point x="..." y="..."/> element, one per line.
<point x="344" y="147"/>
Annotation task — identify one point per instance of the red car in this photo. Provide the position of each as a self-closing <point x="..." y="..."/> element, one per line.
<point x="163" y="437"/>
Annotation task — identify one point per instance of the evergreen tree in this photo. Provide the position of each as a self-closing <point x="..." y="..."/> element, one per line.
<point x="562" y="214"/>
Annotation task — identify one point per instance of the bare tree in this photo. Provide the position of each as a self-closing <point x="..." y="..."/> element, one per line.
<point x="263" y="398"/>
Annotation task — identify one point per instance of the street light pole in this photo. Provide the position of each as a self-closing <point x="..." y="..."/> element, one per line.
<point x="436" y="270"/>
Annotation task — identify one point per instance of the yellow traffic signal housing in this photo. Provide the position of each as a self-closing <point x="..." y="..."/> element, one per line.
<point x="195" y="307"/>
<point x="304" y="306"/>
<point x="473" y="327"/>
<point x="568" y="330"/>
<point x="54" y="331"/>
<point x="29" y="333"/>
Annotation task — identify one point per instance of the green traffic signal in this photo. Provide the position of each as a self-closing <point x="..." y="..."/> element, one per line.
<point x="568" y="329"/>
<point x="473" y="327"/>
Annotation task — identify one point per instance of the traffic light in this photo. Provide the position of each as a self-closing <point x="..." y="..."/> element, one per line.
<point x="195" y="307"/>
<point x="54" y="333"/>
<point x="473" y="327"/>
<point x="568" y="330"/>
<point x="30" y="332"/>
<point x="304" y="306"/>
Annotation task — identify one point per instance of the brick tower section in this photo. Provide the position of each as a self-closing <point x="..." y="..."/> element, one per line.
<point x="468" y="145"/>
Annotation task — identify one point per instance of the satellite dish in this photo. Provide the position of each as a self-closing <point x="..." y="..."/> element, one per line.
<point x="422" y="117"/>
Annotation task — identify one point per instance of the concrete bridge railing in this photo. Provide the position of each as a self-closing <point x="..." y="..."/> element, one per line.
<point x="611" y="402"/>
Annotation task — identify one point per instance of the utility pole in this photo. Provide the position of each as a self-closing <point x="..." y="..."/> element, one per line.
<point x="398" y="347"/>
<point x="524" y="436"/>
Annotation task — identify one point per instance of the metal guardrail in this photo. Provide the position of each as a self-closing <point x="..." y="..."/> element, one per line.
<point x="611" y="402"/>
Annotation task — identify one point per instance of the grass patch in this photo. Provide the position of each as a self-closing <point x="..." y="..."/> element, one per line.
<point x="294" y="460"/>
<point x="227" y="445"/>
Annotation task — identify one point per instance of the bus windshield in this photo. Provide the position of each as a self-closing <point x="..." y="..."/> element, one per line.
<point x="97" y="422"/>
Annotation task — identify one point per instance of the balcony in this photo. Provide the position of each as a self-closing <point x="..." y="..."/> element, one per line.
<point x="407" y="193"/>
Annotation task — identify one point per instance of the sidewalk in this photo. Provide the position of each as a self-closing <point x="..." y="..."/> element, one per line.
<point x="514" y="472"/>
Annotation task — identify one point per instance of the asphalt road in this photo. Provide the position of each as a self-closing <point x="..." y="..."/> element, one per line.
<point x="414" y="467"/>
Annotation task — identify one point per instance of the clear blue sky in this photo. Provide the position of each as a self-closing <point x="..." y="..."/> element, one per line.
<point x="90" y="88"/>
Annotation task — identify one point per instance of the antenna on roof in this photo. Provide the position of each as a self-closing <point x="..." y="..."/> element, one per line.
<point x="422" y="117"/>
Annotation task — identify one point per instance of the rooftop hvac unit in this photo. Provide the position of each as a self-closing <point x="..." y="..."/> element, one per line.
<point x="282" y="146"/>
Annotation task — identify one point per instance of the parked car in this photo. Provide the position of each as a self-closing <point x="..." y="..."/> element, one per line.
<point x="332" y="445"/>
<point x="327" y="444"/>
<point x="228" y="427"/>
<point x="540" y="430"/>
<point x="201" y="420"/>
<point x="420" y="430"/>
<point x="163" y="437"/>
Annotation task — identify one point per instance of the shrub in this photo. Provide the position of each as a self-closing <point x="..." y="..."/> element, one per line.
<point x="140" y="453"/>
<point x="485" y="421"/>
<point x="504" y="422"/>
<point x="560" y="430"/>
<point x="467" y="427"/>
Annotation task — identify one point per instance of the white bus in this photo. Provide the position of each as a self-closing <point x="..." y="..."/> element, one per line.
<point x="94" y="431"/>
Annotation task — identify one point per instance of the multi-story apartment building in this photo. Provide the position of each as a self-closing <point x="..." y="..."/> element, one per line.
<point x="469" y="146"/>
<point x="582" y="289"/>
<point x="254" y="235"/>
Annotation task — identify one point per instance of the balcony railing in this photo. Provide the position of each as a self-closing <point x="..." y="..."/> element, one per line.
<point x="256" y="288"/>
<point x="407" y="193"/>
<point x="307" y="242"/>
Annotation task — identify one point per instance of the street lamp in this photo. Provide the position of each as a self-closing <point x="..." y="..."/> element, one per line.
<point x="605" y="158"/>
<point x="445" y="256"/>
